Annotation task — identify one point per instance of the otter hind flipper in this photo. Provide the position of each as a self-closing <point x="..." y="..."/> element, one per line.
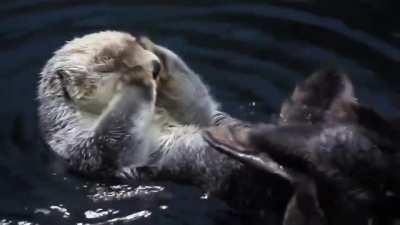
<point x="303" y="207"/>
<point x="235" y="142"/>
<point x="312" y="100"/>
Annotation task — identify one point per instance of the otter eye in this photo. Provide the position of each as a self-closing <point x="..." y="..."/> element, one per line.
<point x="104" y="59"/>
<point x="104" y="63"/>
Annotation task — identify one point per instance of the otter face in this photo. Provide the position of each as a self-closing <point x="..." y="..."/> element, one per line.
<point x="86" y="70"/>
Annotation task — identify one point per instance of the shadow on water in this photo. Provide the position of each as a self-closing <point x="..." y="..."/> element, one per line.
<point x="251" y="54"/>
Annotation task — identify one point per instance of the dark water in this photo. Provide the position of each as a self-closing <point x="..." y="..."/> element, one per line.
<point x="250" y="53"/>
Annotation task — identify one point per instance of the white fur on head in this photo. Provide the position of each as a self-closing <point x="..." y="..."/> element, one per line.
<point x="80" y="80"/>
<point x="86" y="68"/>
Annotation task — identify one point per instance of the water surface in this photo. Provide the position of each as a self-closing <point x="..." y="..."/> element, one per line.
<point x="250" y="53"/>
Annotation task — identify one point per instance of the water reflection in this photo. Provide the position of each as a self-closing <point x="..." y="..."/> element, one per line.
<point x="250" y="54"/>
<point x="98" y="213"/>
<point x="126" y="219"/>
<point x="119" y="192"/>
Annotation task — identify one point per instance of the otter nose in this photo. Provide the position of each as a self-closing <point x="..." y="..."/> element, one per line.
<point x="156" y="68"/>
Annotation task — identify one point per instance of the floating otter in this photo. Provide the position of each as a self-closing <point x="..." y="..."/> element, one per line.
<point x="347" y="149"/>
<point x="109" y="110"/>
<point x="109" y="106"/>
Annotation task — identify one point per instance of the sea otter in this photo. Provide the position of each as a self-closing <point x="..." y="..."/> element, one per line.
<point x="114" y="106"/>
<point x="109" y="106"/>
<point x="324" y="134"/>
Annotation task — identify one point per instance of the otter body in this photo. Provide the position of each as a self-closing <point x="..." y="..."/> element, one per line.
<point x="115" y="107"/>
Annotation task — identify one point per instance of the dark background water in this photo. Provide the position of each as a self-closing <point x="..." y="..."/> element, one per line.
<point x="251" y="53"/>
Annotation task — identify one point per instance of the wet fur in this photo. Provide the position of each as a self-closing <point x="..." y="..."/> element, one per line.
<point x="144" y="129"/>
<point x="341" y="157"/>
<point x="349" y="149"/>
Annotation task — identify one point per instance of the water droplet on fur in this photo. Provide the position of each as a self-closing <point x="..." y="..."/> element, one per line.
<point x="163" y="207"/>
<point x="204" y="196"/>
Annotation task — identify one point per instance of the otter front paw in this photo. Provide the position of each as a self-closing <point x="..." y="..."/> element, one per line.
<point x="137" y="76"/>
<point x="170" y="62"/>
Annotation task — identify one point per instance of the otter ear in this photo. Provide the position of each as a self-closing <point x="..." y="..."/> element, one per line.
<point x="62" y="76"/>
<point x="313" y="99"/>
<point x="62" y="73"/>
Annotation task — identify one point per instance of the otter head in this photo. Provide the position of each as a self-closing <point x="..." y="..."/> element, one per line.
<point x="86" y="70"/>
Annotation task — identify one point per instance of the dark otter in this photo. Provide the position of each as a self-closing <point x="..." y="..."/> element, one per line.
<point x="349" y="150"/>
